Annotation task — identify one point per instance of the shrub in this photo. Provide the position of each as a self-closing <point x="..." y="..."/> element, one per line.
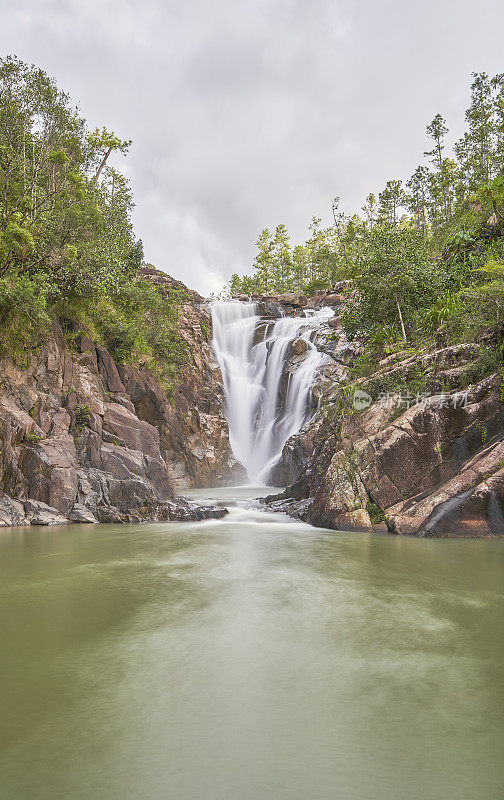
<point x="83" y="415"/>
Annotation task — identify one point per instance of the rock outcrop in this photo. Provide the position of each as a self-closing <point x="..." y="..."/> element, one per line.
<point x="84" y="439"/>
<point x="436" y="469"/>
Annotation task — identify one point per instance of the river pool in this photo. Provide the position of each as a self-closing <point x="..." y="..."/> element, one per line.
<point x="249" y="658"/>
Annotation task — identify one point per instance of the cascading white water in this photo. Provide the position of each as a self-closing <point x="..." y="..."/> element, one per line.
<point x="262" y="411"/>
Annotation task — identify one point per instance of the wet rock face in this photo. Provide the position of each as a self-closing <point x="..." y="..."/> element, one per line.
<point x="194" y="437"/>
<point x="274" y="306"/>
<point x="296" y="455"/>
<point x="328" y="339"/>
<point x="83" y="439"/>
<point x="434" y="470"/>
<point x="298" y="347"/>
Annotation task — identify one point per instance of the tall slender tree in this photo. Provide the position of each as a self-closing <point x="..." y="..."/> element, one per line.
<point x="391" y="198"/>
<point x="437" y="130"/>
<point x="282" y="259"/>
<point x="370" y="209"/>
<point x="263" y="263"/>
<point x="416" y="198"/>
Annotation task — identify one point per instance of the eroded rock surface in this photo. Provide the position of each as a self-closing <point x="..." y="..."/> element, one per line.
<point x="435" y="470"/>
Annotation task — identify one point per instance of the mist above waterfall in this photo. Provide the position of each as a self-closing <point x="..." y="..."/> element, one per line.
<point x="266" y="404"/>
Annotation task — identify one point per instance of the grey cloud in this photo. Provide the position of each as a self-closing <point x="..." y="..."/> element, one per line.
<point x="248" y="114"/>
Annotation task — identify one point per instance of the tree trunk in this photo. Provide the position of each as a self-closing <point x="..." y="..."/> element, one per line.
<point x="102" y="163"/>
<point x="401" y="319"/>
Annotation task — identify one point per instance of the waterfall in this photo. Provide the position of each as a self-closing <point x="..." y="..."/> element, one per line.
<point x="265" y="403"/>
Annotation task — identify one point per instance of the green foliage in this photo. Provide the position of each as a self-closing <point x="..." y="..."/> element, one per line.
<point x="376" y="514"/>
<point x="24" y="321"/>
<point x="55" y="216"/>
<point x="280" y="268"/>
<point x="390" y="200"/>
<point x="490" y="360"/>
<point x="67" y="246"/>
<point x="444" y="308"/>
<point x="140" y="326"/>
<point x="393" y="272"/>
<point x="83" y="415"/>
<point x="31" y="438"/>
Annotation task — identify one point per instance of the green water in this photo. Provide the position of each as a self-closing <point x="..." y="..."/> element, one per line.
<point x="252" y="658"/>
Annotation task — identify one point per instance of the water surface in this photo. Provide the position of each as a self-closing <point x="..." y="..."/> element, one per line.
<point x="250" y="658"/>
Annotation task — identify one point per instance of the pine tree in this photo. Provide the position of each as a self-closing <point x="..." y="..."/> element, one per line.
<point x="437" y="131"/>
<point x="391" y="199"/>
<point x="498" y="112"/>
<point x="263" y="263"/>
<point x="417" y="189"/>
<point x="476" y="150"/>
<point x="370" y="209"/>
<point x="282" y="259"/>
<point x="300" y="268"/>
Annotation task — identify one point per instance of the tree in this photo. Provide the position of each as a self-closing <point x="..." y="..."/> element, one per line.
<point x="437" y="131"/>
<point x="391" y="199"/>
<point x="370" y="209"/>
<point x="54" y="213"/>
<point x="103" y="143"/>
<point x="282" y="259"/>
<point x="394" y="275"/>
<point x="479" y="116"/>
<point x="497" y="83"/>
<point x="235" y="284"/>
<point x="263" y="262"/>
<point x="300" y="268"/>
<point x="67" y="245"/>
<point x="339" y="226"/>
<point x="416" y="198"/>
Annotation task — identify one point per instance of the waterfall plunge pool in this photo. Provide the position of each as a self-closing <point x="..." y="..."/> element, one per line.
<point x="252" y="657"/>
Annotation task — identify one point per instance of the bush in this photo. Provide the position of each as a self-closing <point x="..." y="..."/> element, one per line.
<point x="83" y="415"/>
<point x="24" y="322"/>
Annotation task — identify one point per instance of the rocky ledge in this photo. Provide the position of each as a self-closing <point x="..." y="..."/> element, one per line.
<point x="15" y="513"/>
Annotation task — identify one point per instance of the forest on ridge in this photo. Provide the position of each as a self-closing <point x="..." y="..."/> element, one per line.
<point x="424" y="254"/>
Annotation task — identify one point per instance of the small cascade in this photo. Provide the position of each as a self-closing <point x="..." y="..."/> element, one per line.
<point x="266" y="404"/>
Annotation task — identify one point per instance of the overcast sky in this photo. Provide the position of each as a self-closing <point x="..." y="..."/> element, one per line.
<point x="247" y="114"/>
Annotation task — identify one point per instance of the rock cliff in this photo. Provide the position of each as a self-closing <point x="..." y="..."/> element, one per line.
<point x="86" y="439"/>
<point x="194" y="436"/>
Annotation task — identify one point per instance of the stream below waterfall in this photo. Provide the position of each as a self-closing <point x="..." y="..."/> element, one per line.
<point x="252" y="657"/>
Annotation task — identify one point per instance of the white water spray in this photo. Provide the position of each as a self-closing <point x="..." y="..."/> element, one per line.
<point x="265" y="404"/>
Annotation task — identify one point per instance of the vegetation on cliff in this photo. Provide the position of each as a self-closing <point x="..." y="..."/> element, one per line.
<point x="424" y="258"/>
<point x="68" y="251"/>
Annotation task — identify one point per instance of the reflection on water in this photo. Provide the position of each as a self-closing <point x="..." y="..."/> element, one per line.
<point x="253" y="658"/>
